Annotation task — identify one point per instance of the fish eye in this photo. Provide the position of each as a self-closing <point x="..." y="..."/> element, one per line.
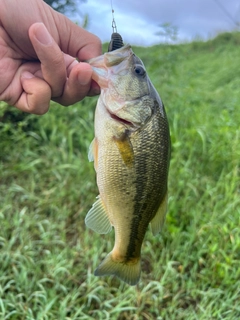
<point x="139" y="70"/>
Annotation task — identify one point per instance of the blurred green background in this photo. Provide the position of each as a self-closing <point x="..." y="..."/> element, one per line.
<point x="47" y="185"/>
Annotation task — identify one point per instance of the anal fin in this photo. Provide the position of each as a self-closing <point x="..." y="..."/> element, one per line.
<point x="97" y="218"/>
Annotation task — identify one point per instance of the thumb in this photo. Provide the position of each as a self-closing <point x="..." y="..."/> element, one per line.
<point x="51" y="58"/>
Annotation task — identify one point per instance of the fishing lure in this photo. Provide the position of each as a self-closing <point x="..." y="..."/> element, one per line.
<point x="116" y="41"/>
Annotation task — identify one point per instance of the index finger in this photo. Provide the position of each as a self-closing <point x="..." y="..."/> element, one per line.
<point x="77" y="41"/>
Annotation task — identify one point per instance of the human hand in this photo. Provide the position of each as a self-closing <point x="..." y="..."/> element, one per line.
<point x="38" y="47"/>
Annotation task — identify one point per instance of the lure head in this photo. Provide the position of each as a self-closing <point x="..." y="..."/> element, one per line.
<point x="116" y="42"/>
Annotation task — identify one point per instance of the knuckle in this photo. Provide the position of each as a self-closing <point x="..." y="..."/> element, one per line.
<point x="38" y="110"/>
<point x="97" y="41"/>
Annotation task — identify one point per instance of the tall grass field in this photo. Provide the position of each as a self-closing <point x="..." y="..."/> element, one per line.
<point x="189" y="271"/>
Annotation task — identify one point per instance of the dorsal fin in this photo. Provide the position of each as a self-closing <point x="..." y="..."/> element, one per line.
<point x="159" y="218"/>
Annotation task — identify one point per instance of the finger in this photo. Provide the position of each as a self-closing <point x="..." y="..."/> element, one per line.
<point x="36" y="96"/>
<point x="78" y="85"/>
<point x="77" y="41"/>
<point x="51" y="58"/>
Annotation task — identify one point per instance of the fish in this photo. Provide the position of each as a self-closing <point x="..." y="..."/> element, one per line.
<point x="131" y="154"/>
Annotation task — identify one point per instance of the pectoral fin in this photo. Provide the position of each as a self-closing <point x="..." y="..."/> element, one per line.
<point x="97" y="218"/>
<point x="125" y="148"/>
<point x="158" y="220"/>
<point x="93" y="152"/>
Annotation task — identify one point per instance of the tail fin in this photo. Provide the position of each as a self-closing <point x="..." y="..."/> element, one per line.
<point x="126" y="271"/>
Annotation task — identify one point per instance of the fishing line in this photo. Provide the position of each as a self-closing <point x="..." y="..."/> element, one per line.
<point x="114" y="25"/>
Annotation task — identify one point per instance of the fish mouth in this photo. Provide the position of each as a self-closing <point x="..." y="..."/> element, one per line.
<point x="121" y="120"/>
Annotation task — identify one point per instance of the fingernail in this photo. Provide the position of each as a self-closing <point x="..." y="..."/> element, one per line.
<point x="27" y="75"/>
<point x="42" y="35"/>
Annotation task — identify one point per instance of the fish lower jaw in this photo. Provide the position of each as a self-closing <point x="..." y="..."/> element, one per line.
<point x="125" y="122"/>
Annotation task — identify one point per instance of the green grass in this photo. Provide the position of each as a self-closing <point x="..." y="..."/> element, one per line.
<point x="190" y="271"/>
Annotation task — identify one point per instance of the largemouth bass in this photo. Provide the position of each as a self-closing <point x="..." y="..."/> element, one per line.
<point x="131" y="152"/>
